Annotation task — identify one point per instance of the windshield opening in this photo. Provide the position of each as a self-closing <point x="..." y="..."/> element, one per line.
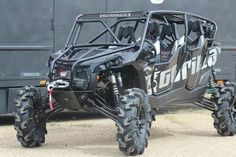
<point x="107" y="31"/>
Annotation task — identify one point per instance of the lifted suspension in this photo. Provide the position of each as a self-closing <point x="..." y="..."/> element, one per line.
<point x="207" y="104"/>
<point x="116" y="93"/>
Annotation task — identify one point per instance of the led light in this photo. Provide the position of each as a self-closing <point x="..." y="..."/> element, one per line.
<point x="108" y="65"/>
<point x="42" y="83"/>
<point x="97" y="77"/>
<point x="63" y="73"/>
<point x="157" y="1"/>
<point x="219" y="82"/>
<point x="118" y="62"/>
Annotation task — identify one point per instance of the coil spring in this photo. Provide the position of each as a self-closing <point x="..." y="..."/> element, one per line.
<point x="212" y="83"/>
<point x="116" y="93"/>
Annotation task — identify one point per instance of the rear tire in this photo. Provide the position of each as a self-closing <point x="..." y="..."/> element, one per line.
<point x="30" y="132"/>
<point x="225" y="116"/>
<point x="134" y="122"/>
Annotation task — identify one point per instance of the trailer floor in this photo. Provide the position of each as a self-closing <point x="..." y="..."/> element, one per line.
<point x="182" y="134"/>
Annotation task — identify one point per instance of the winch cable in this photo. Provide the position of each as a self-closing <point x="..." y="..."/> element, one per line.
<point x="50" y="99"/>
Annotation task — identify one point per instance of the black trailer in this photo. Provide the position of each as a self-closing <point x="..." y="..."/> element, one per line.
<point x="20" y="66"/>
<point x="225" y="69"/>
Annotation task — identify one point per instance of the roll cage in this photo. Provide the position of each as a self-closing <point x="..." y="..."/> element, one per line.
<point x="164" y="17"/>
<point x="168" y="17"/>
<point x="137" y="17"/>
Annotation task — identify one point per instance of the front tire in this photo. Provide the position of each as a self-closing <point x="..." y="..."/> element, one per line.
<point x="225" y="115"/>
<point x="134" y="122"/>
<point x="30" y="132"/>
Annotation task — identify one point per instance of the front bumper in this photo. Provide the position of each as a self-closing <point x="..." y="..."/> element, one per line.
<point x="63" y="94"/>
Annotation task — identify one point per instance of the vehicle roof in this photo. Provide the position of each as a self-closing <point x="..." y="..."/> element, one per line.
<point x="141" y="14"/>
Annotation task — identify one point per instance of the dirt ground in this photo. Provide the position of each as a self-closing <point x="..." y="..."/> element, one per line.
<point x="181" y="134"/>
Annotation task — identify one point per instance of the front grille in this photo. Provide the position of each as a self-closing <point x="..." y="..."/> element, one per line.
<point x="81" y="74"/>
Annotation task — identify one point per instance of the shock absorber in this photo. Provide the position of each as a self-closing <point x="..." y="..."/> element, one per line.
<point x="119" y="78"/>
<point x="116" y="93"/>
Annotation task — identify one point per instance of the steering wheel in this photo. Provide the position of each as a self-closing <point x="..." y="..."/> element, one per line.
<point x="151" y="46"/>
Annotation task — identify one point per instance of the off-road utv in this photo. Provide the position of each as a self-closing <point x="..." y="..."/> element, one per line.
<point x="126" y="65"/>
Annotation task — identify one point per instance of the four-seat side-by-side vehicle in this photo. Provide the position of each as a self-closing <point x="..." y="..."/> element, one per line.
<point x="126" y="65"/>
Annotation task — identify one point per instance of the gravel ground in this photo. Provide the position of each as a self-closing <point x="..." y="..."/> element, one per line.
<point x="182" y="134"/>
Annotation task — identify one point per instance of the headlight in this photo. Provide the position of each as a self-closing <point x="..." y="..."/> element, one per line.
<point x="110" y="64"/>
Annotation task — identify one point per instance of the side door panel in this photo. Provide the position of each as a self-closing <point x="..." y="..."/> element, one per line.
<point x="166" y="75"/>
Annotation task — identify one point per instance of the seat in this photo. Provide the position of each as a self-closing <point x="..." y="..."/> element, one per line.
<point x="195" y="27"/>
<point x="152" y="34"/>
<point x="166" y="48"/>
<point x="126" y="33"/>
<point x="153" y="31"/>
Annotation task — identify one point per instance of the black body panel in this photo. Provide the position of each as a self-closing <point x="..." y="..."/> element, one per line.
<point x="178" y="96"/>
